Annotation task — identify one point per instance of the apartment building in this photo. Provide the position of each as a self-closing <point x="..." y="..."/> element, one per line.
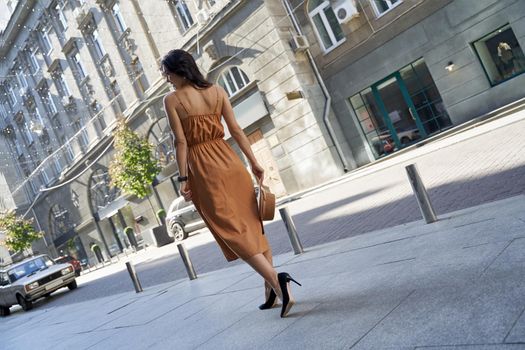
<point x="70" y="67"/>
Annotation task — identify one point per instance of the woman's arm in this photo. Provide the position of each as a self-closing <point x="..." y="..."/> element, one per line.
<point x="238" y="135"/>
<point x="181" y="145"/>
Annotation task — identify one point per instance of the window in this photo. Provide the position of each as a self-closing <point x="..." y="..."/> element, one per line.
<point x="97" y="45"/>
<point x="45" y="177"/>
<point x="11" y="95"/>
<point x="326" y="24"/>
<point x="19" y="150"/>
<point x="233" y="80"/>
<point x="119" y="20"/>
<point x="184" y="14"/>
<point x="46" y="42"/>
<point x="383" y="6"/>
<point x="501" y="55"/>
<point x="35" y="66"/>
<point x="51" y="103"/>
<point x="39" y="117"/>
<point x="70" y="155"/>
<point x="78" y="66"/>
<point x="3" y="111"/>
<point x="83" y="138"/>
<point x="22" y="82"/>
<point x="57" y="165"/>
<point x="28" y="137"/>
<point x="34" y="189"/>
<point x="62" y="85"/>
<point x="61" y="18"/>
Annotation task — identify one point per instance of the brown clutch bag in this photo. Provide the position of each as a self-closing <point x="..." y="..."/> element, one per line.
<point x="266" y="202"/>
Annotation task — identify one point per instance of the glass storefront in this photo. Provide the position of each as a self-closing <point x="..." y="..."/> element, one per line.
<point x="400" y="109"/>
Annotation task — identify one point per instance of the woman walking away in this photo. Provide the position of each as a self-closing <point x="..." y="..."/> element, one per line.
<point x="214" y="177"/>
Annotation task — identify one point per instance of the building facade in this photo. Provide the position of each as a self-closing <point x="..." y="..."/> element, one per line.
<point x="70" y="68"/>
<point x="320" y="88"/>
<point x="399" y="71"/>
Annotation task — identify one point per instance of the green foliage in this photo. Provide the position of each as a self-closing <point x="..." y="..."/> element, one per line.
<point x="128" y="230"/>
<point x="133" y="167"/>
<point x="93" y="247"/>
<point x="161" y="213"/>
<point x="19" y="232"/>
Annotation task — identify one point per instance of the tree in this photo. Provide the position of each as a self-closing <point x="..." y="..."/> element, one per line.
<point x="133" y="167"/>
<point x="19" y="232"/>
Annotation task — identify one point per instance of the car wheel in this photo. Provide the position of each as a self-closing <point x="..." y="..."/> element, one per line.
<point x="72" y="285"/>
<point x="405" y="140"/>
<point x="178" y="232"/>
<point x="4" y="311"/>
<point x="24" y="303"/>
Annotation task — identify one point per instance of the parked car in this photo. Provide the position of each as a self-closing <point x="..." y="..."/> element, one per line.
<point x="71" y="260"/>
<point x="182" y="218"/>
<point x="24" y="282"/>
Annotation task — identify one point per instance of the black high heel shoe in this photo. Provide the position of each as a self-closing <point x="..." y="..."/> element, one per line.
<point x="271" y="302"/>
<point x="284" y="278"/>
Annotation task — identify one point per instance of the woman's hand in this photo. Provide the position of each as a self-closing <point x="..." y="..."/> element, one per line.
<point x="258" y="171"/>
<point x="186" y="191"/>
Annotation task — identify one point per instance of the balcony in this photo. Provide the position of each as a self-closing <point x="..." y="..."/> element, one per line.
<point x="83" y="16"/>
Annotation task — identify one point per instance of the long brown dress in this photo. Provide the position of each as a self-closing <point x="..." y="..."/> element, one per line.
<point x="222" y="188"/>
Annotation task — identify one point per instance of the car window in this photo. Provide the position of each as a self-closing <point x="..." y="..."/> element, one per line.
<point x="4" y="281"/>
<point x="183" y="204"/>
<point x="29" y="267"/>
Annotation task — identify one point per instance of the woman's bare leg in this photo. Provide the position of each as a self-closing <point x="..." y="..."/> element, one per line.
<point x="263" y="267"/>
<point x="267" y="287"/>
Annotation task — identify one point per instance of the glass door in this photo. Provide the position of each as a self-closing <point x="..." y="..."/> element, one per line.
<point x="398" y="111"/>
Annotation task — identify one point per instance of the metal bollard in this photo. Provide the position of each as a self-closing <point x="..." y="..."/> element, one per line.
<point x="292" y="232"/>
<point x="134" y="277"/>
<point x="421" y="194"/>
<point x="187" y="261"/>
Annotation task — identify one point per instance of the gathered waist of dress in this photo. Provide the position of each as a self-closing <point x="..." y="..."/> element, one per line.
<point x="206" y="142"/>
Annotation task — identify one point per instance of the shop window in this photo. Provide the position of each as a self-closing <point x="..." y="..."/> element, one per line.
<point x="400" y="109"/>
<point x="233" y="80"/>
<point x="501" y="55"/>
<point x="383" y="6"/>
<point x="326" y="24"/>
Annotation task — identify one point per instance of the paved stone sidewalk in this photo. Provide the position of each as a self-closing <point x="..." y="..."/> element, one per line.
<point x="455" y="284"/>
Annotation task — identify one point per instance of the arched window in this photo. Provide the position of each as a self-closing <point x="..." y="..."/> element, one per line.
<point x="233" y="80"/>
<point x="100" y="192"/>
<point x="59" y="221"/>
<point x="161" y="137"/>
<point x="325" y="23"/>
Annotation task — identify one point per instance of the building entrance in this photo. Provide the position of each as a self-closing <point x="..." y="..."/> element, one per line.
<point x="400" y="109"/>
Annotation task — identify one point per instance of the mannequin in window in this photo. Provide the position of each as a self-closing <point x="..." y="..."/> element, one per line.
<point x="507" y="58"/>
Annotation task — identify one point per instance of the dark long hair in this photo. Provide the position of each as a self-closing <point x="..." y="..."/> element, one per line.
<point x="182" y="63"/>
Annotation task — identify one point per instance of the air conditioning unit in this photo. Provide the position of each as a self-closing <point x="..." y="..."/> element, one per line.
<point x="345" y="10"/>
<point x="203" y="16"/>
<point x="299" y="43"/>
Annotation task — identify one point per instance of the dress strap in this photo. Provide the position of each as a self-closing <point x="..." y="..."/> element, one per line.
<point x="180" y="102"/>
<point x="216" y="109"/>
